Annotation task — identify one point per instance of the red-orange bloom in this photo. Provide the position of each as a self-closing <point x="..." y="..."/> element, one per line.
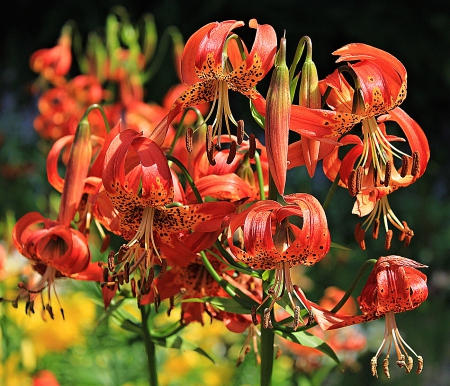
<point x="192" y="281"/>
<point x="215" y="60"/>
<point x="55" y="247"/>
<point x="138" y="181"/>
<point x="271" y="240"/>
<point x="368" y="171"/>
<point x="395" y="285"/>
<point x="54" y="63"/>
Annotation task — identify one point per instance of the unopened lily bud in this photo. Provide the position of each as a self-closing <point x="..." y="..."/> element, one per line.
<point x="150" y="37"/>
<point x="278" y="112"/>
<point x="309" y="94"/>
<point x="77" y="170"/>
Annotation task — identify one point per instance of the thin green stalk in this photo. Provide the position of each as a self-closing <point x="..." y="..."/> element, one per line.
<point x="102" y="111"/>
<point x="367" y="264"/>
<point x="228" y="287"/>
<point x="267" y="355"/>
<point x="150" y="348"/>
<point x="268" y="334"/>
<point x="260" y="175"/>
<point x="331" y="192"/>
<point x="188" y="176"/>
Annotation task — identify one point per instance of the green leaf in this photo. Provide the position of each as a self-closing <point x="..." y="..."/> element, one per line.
<point x="260" y="120"/>
<point x="222" y="304"/>
<point x="335" y="245"/>
<point x="309" y="340"/>
<point x="177" y="342"/>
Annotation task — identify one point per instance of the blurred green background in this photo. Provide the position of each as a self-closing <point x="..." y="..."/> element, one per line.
<point x="419" y="36"/>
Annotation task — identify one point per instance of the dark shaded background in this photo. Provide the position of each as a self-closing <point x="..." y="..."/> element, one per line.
<point x="419" y="36"/>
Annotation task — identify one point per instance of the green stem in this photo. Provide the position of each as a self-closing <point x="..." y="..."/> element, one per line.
<point x="188" y="176"/>
<point x="150" y="348"/>
<point x="260" y="175"/>
<point x="331" y="192"/>
<point x="267" y="355"/>
<point x="367" y="264"/>
<point x="268" y="334"/>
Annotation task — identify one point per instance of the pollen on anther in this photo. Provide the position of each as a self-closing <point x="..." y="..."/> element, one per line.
<point x="254" y="318"/>
<point x="415" y="163"/>
<point x="252" y="147"/>
<point x="189" y="139"/>
<point x="386" y="367"/>
<point x="352" y="183"/>
<point x="419" y="365"/>
<point x="163" y="268"/>
<point x="405" y="166"/>
<point x="387" y="243"/>
<point x="360" y="234"/>
<point x="111" y="261"/>
<point x="387" y="174"/>
<point x="240" y="131"/>
<point x="232" y="152"/>
<point x="375" y="228"/>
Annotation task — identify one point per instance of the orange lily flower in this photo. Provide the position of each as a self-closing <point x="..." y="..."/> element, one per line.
<point x="368" y="172"/>
<point x="215" y="60"/>
<point x="139" y="184"/>
<point x="61" y="108"/>
<point x="395" y="285"/>
<point x="271" y="241"/>
<point x="56" y="248"/>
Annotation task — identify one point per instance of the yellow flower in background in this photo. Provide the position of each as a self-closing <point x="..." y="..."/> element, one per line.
<point x="59" y="334"/>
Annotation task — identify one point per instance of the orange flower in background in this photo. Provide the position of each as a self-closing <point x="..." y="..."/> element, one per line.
<point x="54" y="63"/>
<point x="347" y="343"/>
<point x="271" y="240"/>
<point x="61" y="108"/>
<point x="45" y="378"/>
<point x="395" y="285"/>
<point x="215" y="60"/>
<point x="192" y="281"/>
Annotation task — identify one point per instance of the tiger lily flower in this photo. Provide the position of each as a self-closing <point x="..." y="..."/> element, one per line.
<point x="139" y="184"/>
<point x="56" y="248"/>
<point x="272" y="241"/>
<point x="368" y="172"/>
<point x="215" y="60"/>
<point x="395" y="285"/>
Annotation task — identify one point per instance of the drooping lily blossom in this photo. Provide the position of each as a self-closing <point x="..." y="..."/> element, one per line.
<point x="215" y="60"/>
<point x="368" y="171"/>
<point x="395" y="285"/>
<point x="271" y="240"/>
<point x="54" y="246"/>
<point x="139" y="183"/>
